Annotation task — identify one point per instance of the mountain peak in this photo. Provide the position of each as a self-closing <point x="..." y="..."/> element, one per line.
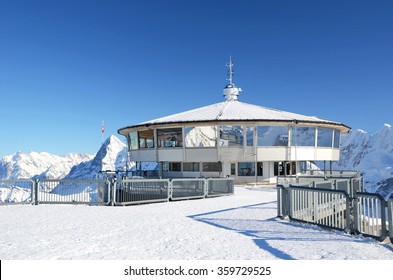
<point x="111" y="139"/>
<point x="111" y="156"/>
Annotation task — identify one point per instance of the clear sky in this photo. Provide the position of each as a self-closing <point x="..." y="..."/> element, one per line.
<point x="67" y="65"/>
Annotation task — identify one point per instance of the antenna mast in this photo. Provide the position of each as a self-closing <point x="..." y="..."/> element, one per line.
<point x="231" y="92"/>
<point x="230" y="71"/>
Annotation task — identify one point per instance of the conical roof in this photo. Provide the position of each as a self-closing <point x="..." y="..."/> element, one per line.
<point x="234" y="111"/>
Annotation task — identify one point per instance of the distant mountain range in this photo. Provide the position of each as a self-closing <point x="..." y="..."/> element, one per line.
<point x="370" y="153"/>
<point x="111" y="156"/>
<point x="41" y="165"/>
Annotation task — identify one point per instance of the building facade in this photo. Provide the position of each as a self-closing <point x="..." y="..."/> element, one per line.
<point x="247" y="142"/>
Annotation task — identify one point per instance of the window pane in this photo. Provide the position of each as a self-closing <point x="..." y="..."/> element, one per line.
<point x="201" y="136"/>
<point x="191" y="166"/>
<point x="211" y="166"/>
<point x="250" y="136"/>
<point x="133" y="140"/>
<point x="231" y="135"/>
<point x="175" y="166"/>
<point x="303" y="136"/>
<point x="325" y="137"/>
<point x="146" y="139"/>
<point x="170" y="137"/>
<point x="336" y="138"/>
<point x="233" y="168"/>
<point x="246" y="169"/>
<point x="272" y="135"/>
<point x="260" y="168"/>
<point x="284" y="168"/>
<point x="142" y="142"/>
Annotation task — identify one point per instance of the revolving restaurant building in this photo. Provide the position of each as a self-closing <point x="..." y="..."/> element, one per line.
<point x="247" y="142"/>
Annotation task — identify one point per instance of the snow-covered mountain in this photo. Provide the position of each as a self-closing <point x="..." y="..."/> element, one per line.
<point x="39" y="165"/>
<point x="372" y="155"/>
<point x="111" y="156"/>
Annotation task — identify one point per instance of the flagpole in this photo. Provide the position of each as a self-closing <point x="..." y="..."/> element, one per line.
<point x="102" y="132"/>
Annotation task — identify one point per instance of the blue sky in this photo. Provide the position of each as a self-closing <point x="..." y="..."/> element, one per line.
<point x="67" y="65"/>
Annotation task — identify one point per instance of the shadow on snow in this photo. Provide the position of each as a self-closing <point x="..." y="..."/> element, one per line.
<point x="265" y="232"/>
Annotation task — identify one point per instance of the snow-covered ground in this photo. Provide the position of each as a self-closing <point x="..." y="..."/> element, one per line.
<point x="242" y="226"/>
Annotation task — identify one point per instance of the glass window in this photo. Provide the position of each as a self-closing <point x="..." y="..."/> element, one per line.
<point x="325" y="136"/>
<point x="272" y="135"/>
<point x="174" y="166"/>
<point x="278" y="169"/>
<point x="259" y="168"/>
<point x="250" y="136"/>
<point x="231" y="135"/>
<point x="170" y="137"/>
<point x="246" y="169"/>
<point x="303" y="136"/>
<point x="191" y="166"/>
<point x="233" y="168"/>
<point x="336" y="139"/>
<point x="211" y="166"/>
<point x="284" y="168"/>
<point x="146" y="139"/>
<point x="133" y="140"/>
<point x="200" y="136"/>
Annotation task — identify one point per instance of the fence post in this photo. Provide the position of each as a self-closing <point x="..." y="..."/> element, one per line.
<point x="390" y="217"/>
<point x="383" y="218"/>
<point x="108" y="192"/>
<point x="356" y="214"/>
<point x="348" y="214"/>
<point x="280" y="202"/>
<point x="36" y="190"/>
<point x="351" y="188"/>
<point x="32" y="186"/>
<point x="170" y="189"/>
<point x="113" y="191"/>
<point x="206" y="187"/>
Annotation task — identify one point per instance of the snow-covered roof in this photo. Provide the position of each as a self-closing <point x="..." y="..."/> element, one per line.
<point x="234" y="110"/>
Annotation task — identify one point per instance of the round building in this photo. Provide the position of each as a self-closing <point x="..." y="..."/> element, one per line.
<point x="247" y="142"/>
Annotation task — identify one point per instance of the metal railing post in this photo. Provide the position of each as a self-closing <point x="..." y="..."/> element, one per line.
<point x="170" y="190"/>
<point x="113" y="191"/>
<point x="351" y="188"/>
<point x="32" y="187"/>
<point x="36" y="190"/>
<point x="348" y="215"/>
<point x="357" y="214"/>
<point x="205" y="187"/>
<point x="390" y="217"/>
<point x="108" y="191"/>
<point x="383" y="218"/>
<point x="280" y="201"/>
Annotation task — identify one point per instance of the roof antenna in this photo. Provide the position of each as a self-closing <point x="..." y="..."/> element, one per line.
<point x="230" y="70"/>
<point x="231" y="92"/>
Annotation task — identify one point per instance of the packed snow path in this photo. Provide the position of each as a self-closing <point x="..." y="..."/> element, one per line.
<point x="242" y="226"/>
